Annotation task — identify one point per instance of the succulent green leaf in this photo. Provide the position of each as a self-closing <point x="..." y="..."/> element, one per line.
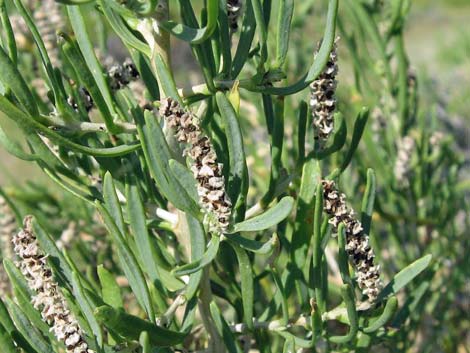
<point x="157" y="154"/>
<point x="131" y="327"/>
<point x="405" y="276"/>
<point x="387" y="314"/>
<point x="128" y="263"/>
<point x="206" y="259"/>
<point x="11" y="77"/>
<point x="348" y="297"/>
<point x="6" y="341"/>
<point x="109" y="288"/>
<point x="195" y="35"/>
<point x="28" y="330"/>
<point x="253" y="245"/>
<point x="186" y="179"/>
<point x="112" y="201"/>
<point x="15" y="149"/>
<point x="271" y="217"/>
<point x="286" y="10"/>
<point x="238" y="175"/>
<point x="247" y="284"/>
<point x="246" y="38"/>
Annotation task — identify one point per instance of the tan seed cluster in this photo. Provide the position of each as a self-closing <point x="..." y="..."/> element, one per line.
<point x="357" y="243"/>
<point x="208" y="173"/>
<point x="234" y="9"/>
<point x="402" y="167"/>
<point x="323" y="100"/>
<point x="48" y="298"/>
<point x="49" y="19"/>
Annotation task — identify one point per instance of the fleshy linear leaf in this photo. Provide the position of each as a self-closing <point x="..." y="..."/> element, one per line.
<point x="6" y="341"/>
<point x="112" y="201"/>
<point x="238" y="176"/>
<point x="87" y="309"/>
<point x="23" y="295"/>
<point x="385" y="317"/>
<point x="253" y="245"/>
<point x="195" y="35"/>
<point x="198" y="245"/>
<point x="246" y="38"/>
<point x="185" y="178"/>
<point x="109" y="288"/>
<point x="405" y="276"/>
<point x="27" y="330"/>
<point x="131" y="327"/>
<point x="247" y="285"/>
<point x="271" y="217"/>
<point x="286" y="10"/>
<point x="121" y="29"/>
<point x="11" y="77"/>
<point x="128" y="263"/>
<point x="5" y="318"/>
<point x="157" y="155"/>
<point x="209" y="255"/>
<point x="136" y="213"/>
<point x="15" y="149"/>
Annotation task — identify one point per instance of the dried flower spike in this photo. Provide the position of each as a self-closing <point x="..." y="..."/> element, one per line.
<point x="208" y="173"/>
<point x="402" y="167"/>
<point x="357" y="243"/>
<point x="49" y="19"/>
<point x="234" y="8"/>
<point x="48" y="298"/>
<point x="323" y="100"/>
<point x="122" y="75"/>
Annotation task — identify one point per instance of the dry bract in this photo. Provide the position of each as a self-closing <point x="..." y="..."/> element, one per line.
<point x="357" y="243"/>
<point x="323" y="100"/>
<point x="402" y="167"/>
<point x="48" y="297"/>
<point x="208" y="173"/>
<point x="49" y="19"/>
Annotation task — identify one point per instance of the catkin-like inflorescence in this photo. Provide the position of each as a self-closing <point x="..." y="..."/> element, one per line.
<point x="234" y="9"/>
<point x="48" y="297"/>
<point x="402" y="167"/>
<point x="357" y="243"/>
<point x="208" y="173"/>
<point x="122" y="75"/>
<point x="49" y="19"/>
<point x="323" y="100"/>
